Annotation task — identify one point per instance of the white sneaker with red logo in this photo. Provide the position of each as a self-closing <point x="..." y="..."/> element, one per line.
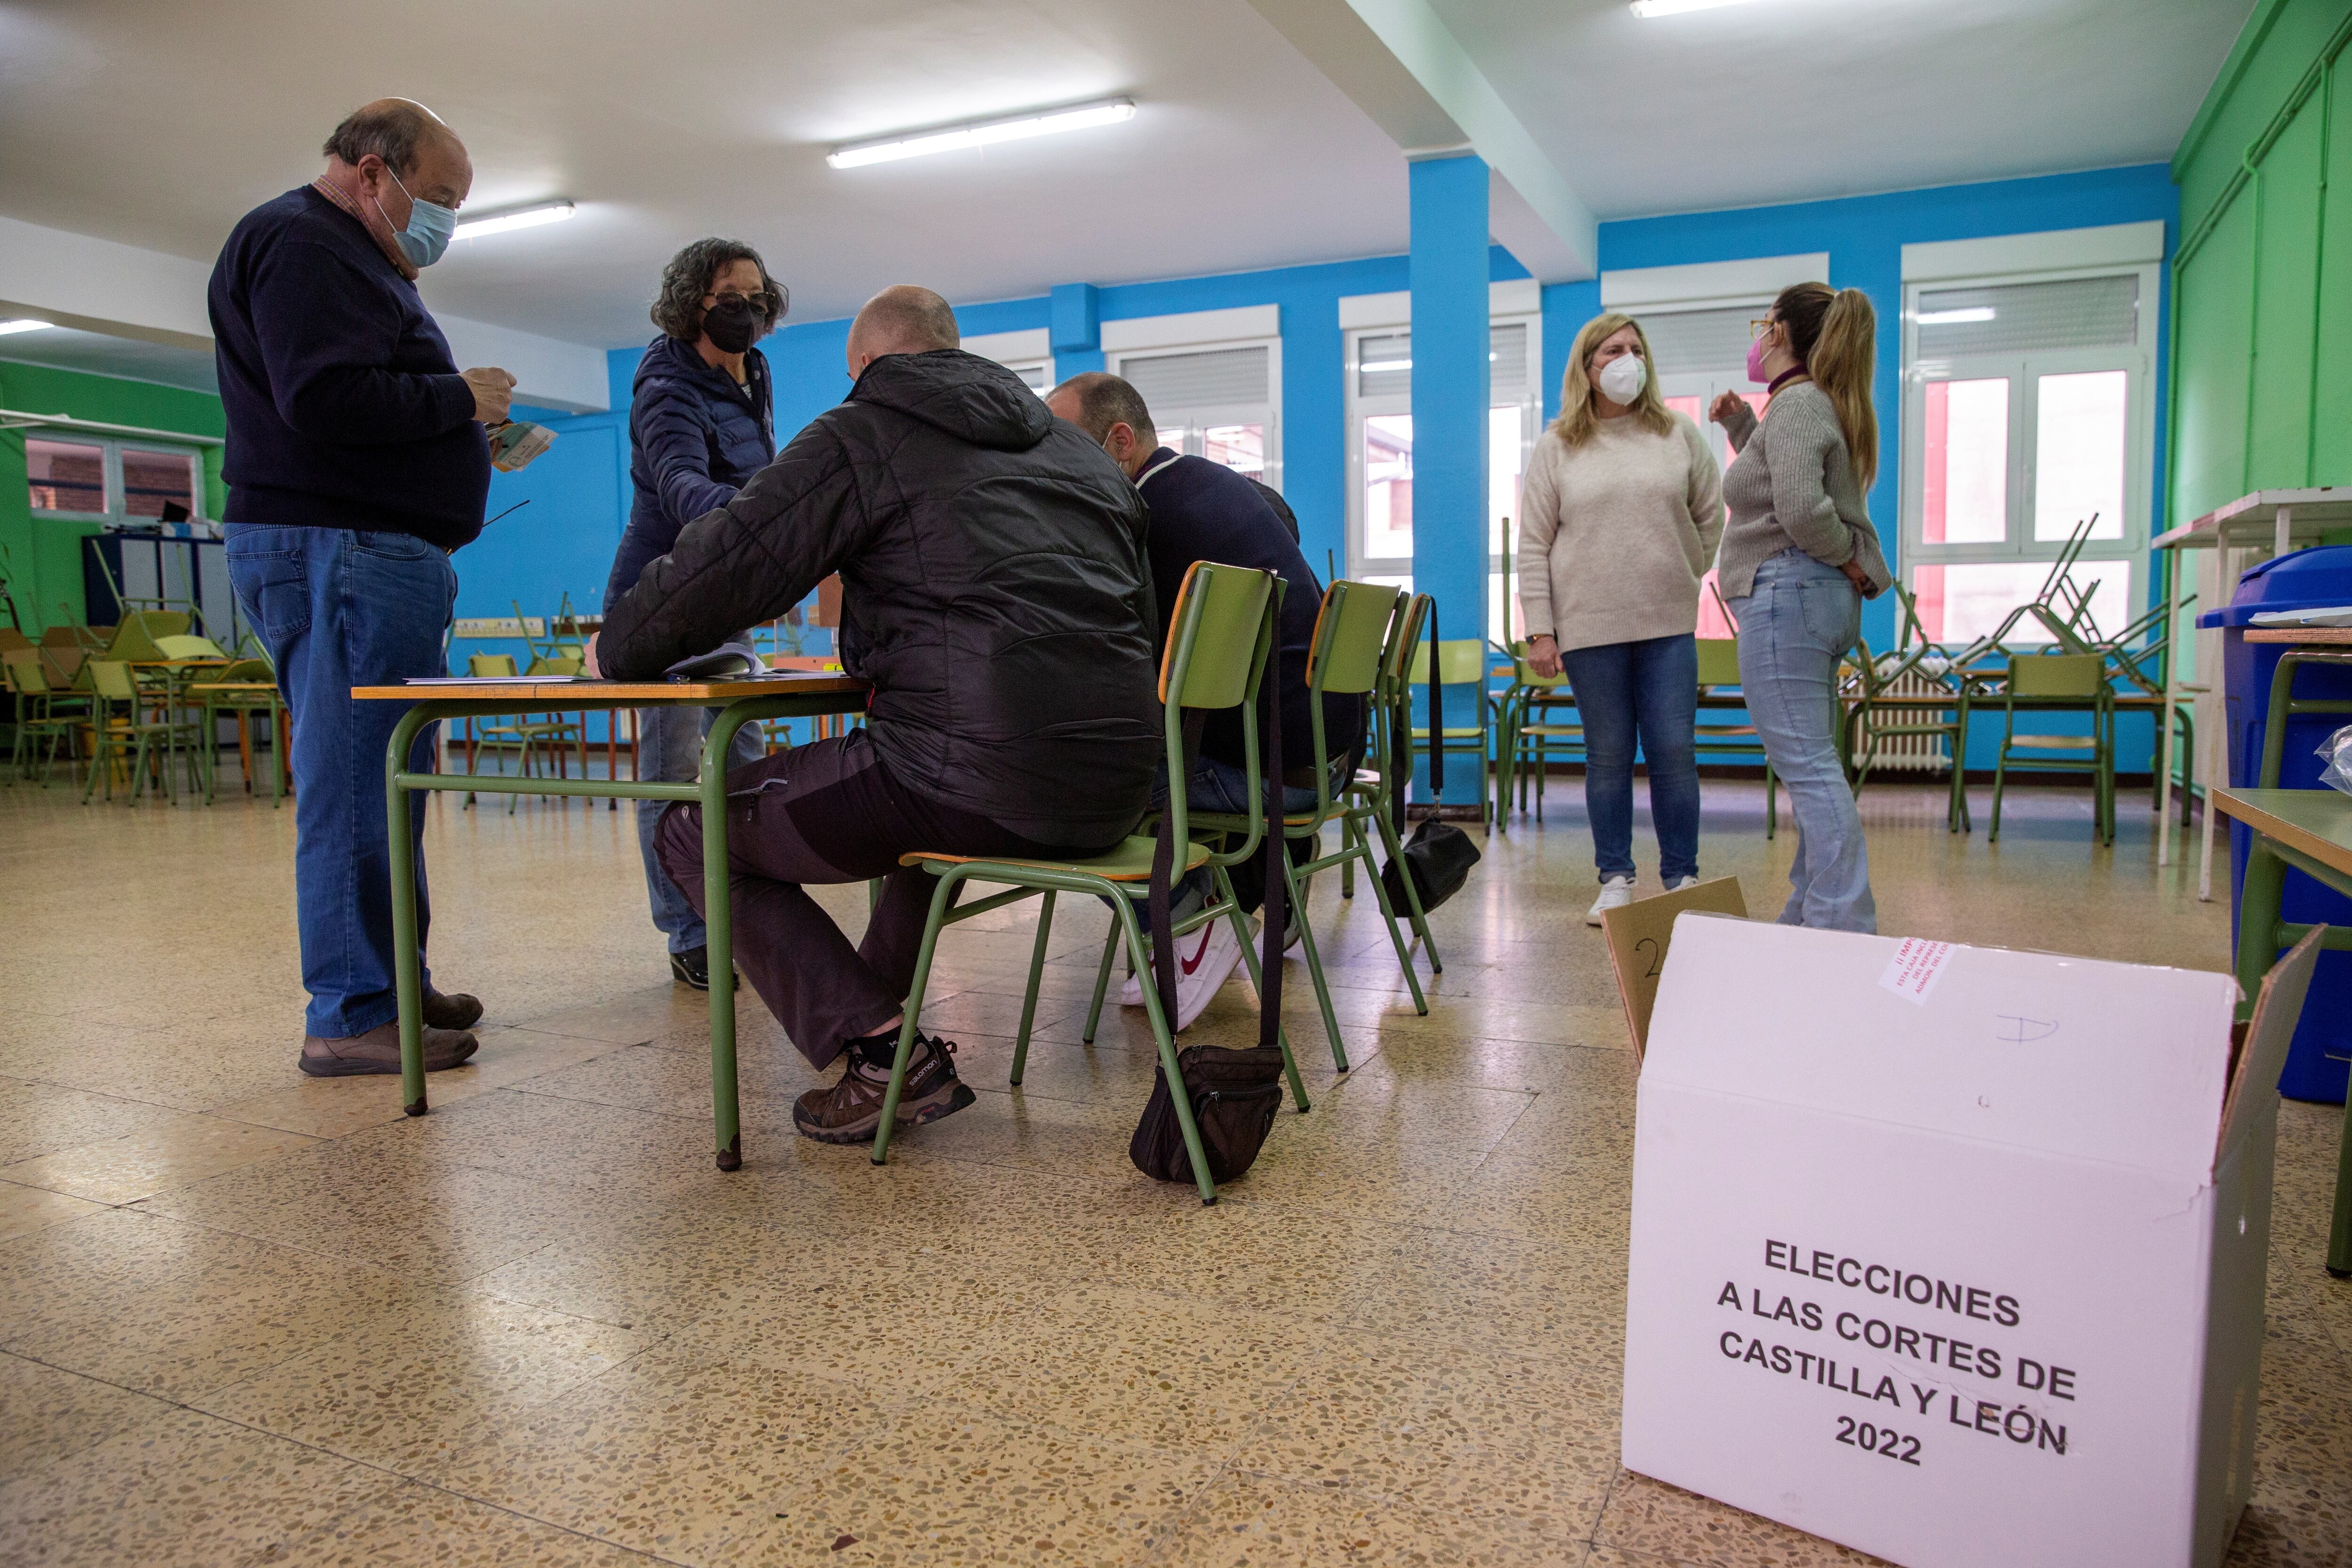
<point x="1206" y="960"/>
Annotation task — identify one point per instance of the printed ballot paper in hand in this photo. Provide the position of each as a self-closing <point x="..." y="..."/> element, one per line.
<point x="516" y="442"/>
<point x="1638" y="935"/>
<point x="1954" y="1256"/>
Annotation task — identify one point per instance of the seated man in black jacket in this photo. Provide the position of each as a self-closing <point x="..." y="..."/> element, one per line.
<point x="997" y="595"/>
<point x="1203" y="511"/>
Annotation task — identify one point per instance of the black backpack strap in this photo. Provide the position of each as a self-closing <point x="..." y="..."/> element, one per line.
<point x="1163" y="862"/>
<point x="1436" y="712"/>
<point x="1274" y="912"/>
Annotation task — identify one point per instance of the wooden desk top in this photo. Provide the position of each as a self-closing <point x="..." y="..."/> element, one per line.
<point x="2313" y="636"/>
<point x="233" y="685"/>
<point x="556" y="695"/>
<point x="2318" y="822"/>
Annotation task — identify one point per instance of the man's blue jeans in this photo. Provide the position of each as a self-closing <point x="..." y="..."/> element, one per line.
<point x="1647" y="689"/>
<point x="339" y="607"/>
<point x="1794" y="628"/>
<point x="670" y="750"/>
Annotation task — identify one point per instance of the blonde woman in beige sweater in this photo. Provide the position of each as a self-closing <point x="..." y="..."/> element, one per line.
<point x="1622" y="511"/>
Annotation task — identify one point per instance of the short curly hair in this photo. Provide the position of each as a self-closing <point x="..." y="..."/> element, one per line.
<point x="677" y="309"/>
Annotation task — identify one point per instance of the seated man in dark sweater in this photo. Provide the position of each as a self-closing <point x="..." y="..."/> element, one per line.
<point x="1203" y="511"/>
<point x="996" y="592"/>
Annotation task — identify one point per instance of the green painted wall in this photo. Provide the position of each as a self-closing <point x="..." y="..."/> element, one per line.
<point x="2263" y="277"/>
<point x="45" y="552"/>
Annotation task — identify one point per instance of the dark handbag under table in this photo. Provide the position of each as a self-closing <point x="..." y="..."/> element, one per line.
<point x="1234" y="1096"/>
<point x="1438" y="856"/>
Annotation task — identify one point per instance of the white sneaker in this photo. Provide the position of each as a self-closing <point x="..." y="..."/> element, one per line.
<point x="1680" y="883"/>
<point x="1615" y="894"/>
<point x="1204" y="961"/>
<point x="1130" y="990"/>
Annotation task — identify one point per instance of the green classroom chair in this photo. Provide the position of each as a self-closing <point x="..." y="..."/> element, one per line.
<point x="43" y="713"/>
<point x="2082" y="677"/>
<point x="1461" y="662"/>
<point x="111" y="687"/>
<point x="1344" y="657"/>
<point x="1718" y="672"/>
<point x="1527" y="741"/>
<point x="1221" y="637"/>
<point x="1392" y="718"/>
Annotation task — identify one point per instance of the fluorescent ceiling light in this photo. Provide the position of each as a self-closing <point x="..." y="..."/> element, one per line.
<point x="980" y="133"/>
<point x="1954" y="317"/>
<point x="1676" y="7"/>
<point x="22" y="326"/>
<point x="521" y="217"/>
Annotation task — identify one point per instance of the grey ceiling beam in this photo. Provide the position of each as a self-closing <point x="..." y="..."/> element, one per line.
<point x="1399" y="62"/>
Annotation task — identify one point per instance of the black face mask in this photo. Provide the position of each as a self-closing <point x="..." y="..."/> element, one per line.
<point x="732" y="325"/>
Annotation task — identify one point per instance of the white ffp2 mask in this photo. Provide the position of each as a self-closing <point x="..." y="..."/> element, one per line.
<point x="1622" y="378"/>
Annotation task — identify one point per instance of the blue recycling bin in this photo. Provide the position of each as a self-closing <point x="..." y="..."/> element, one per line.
<point x="2316" y="1063"/>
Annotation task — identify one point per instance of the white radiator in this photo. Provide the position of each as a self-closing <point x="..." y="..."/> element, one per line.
<point x="1912" y="753"/>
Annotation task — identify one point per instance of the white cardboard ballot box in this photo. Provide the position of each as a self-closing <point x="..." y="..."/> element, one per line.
<point x="1953" y="1255"/>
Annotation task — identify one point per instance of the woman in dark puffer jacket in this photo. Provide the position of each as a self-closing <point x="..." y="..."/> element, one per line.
<point x="701" y="422"/>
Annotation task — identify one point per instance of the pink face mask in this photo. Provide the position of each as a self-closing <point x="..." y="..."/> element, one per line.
<point x="1756" y="351"/>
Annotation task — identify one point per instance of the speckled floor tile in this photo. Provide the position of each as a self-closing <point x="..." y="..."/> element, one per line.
<point x="389" y="1207"/>
<point x="163" y="1155"/>
<point x="433" y="1528"/>
<point x="181" y="1488"/>
<point x="37" y="1119"/>
<point x="942" y="1484"/>
<point x="24" y="1210"/>
<point x="666" y="1454"/>
<point x="402" y="1389"/>
<point x="48" y="1414"/>
<point x="1645" y="1515"/>
<point x="1260" y="1521"/>
<point x="1418" y="1293"/>
<point x="173" y="1309"/>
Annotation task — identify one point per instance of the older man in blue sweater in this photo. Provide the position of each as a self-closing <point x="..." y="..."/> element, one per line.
<point x="356" y="462"/>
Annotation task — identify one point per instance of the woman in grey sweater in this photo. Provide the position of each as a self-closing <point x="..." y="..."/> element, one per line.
<point x="1622" y="507"/>
<point x="1798" y="557"/>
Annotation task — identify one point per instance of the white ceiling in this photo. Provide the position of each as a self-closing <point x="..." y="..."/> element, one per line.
<point x="1784" y="100"/>
<point x="157" y="124"/>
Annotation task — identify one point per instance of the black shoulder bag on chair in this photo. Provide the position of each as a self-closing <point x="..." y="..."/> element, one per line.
<point x="1234" y="1094"/>
<point x="1439" y="855"/>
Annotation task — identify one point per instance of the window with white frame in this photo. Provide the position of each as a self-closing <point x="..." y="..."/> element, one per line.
<point x="2027" y="413"/>
<point x="106" y="480"/>
<point x="1218" y="402"/>
<point x="1380" y="457"/>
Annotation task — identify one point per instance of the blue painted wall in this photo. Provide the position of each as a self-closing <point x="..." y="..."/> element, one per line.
<point x="580" y="489"/>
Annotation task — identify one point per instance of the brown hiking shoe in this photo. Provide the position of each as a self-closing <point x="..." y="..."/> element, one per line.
<point x="851" y="1109"/>
<point x="453" y="1010"/>
<point x="378" y="1051"/>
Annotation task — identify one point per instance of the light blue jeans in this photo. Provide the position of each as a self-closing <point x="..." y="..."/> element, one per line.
<point x="670" y="750"/>
<point x="1794" y="627"/>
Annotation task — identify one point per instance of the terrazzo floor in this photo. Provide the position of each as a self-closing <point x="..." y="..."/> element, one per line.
<point x="248" y="1317"/>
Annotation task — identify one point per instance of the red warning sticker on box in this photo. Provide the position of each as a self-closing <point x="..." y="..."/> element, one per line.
<point x="1916" y="967"/>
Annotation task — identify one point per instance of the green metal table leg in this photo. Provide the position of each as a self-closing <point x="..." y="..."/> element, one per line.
<point x="2258" y="919"/>
<point x="407" y="969"/>
<point x="718" y="924"/>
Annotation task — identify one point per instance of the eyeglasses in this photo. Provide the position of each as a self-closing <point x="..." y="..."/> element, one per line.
<point x="1758" y="326"/>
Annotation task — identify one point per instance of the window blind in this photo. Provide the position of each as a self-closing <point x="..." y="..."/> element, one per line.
<point x="2020" y="317"/>
<point x="1204" y="378"/>
<point x="1384" y="364"/>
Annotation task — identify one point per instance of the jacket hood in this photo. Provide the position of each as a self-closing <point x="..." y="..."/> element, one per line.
<point x="669" y="358"/>
<point x="971" y="399"/>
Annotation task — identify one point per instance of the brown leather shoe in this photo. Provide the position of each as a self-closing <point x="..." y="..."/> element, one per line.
<point x="453" y="1011"/>
<point x="851" y="1109"/>
<point x="378" y="1051"/>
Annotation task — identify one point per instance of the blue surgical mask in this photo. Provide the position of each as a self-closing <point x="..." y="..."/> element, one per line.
<point x="430" y="225"/>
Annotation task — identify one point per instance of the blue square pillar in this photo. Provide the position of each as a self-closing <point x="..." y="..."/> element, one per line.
<point x="1074" y="312"/>
<point x="1448" y="272"/>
